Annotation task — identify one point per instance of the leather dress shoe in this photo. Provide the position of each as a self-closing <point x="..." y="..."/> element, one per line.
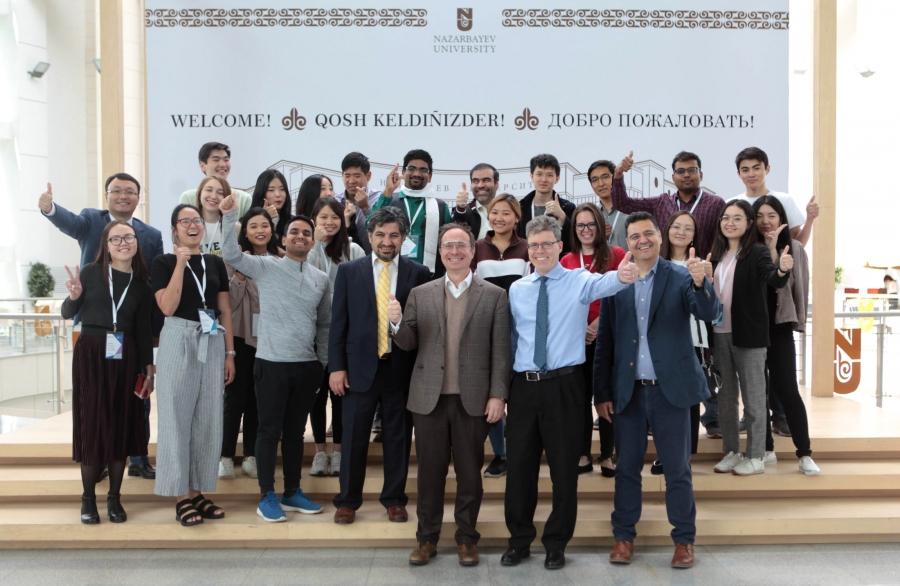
<point x="684" y="556"/>
<point x="468" y="554"/>
<point x="344" y="515"/>
<point x="514" y="555"/>
<point x="143" y="470"/>
<point x="422" y="554"/>
<point x="621" y="552"/>
<point x="397" y="514"/>
<point x="114" y="509"/>
<point x="555" y="559"/>
<point x="89" y="514"/>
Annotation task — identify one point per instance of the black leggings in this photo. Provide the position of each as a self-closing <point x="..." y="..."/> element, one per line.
<point x="317" y="415"/>
<point x="781" y="363"/>
<point x="606" y="429"/>
<point x="240" y="402"/>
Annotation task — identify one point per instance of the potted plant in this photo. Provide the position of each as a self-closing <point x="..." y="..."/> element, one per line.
<point x="40" y="284"/>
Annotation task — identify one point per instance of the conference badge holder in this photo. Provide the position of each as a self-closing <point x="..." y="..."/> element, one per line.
<point x="208" y="322"/>
<point x="115" y="342"/>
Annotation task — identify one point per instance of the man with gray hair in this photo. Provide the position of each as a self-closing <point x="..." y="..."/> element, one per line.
<point x="549" y="317"/>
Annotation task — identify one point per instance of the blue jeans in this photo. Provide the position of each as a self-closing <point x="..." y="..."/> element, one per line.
<point x="498" y="441"/>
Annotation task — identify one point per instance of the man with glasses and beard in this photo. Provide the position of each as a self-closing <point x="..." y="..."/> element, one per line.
<point x="484" y="179"/>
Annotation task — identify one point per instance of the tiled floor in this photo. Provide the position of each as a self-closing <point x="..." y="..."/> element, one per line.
<point x="843" y="565"/>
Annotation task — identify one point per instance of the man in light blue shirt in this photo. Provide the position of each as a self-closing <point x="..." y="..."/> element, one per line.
<point x="546" y="401"/>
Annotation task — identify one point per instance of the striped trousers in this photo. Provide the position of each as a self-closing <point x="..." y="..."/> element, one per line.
<point x="189" y="404"/>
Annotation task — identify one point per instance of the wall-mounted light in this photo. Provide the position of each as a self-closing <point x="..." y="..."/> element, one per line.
<point x="39" y="69"/>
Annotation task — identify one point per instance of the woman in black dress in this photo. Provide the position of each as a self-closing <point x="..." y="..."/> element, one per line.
<point x="112" y="296"/>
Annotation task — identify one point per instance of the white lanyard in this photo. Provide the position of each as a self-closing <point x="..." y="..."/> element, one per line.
<point x="412" y="219"/>
<point x="116" y="307"/>
<point x="693" y="207"/>
<point x="722" y="278"/>
<point x="201" y="288"/>
<point x="612" y="231"/>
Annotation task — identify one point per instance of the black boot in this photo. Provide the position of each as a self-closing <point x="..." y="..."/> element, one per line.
<point x="89" y="514"/>
<point x="114" y="509"/>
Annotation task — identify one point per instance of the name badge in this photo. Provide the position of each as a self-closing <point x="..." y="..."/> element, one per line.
<point x="115" y="341"/>
<point x="208" y="322"/>
<point x="254" y="328"/>
<point x="409" y="246"/>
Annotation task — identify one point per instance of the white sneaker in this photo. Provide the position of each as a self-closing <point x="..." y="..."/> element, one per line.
<point x="226" y="468"/>
<point x="770" y="458"/>
<point x="750" y="466"/>
<point x="335" y="464"/>
<point x="319" y="464"/>
<point x="808" y="466"/>
<point x="728" y="463"/>
<point x="249" y="466"/>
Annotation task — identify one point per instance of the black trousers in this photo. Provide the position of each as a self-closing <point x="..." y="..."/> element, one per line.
<point x="449" y="428"/>
<point x="396" y="423"/>
<point x="781" y="363"/>
<point x="285" y="393"/>
<point x="317" y="416"/>
<point x="606" y="429"/>
<point x="240" y="402"/>
<point x="540" y="417"/>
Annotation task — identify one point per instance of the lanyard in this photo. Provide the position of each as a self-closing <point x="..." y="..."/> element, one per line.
<point x="208" y="238"/>
<point x="115" y="306"/>
<point x="722" y="278"/>
<point x="200" y="287"/>
<point x="693" y="207"/>
<point x="612" y="230"/>
<point x="412" y="218"/>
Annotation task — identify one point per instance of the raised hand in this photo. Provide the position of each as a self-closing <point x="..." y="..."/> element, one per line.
<point x="270" y="208"/>
<point x="812" y="208"/>
<point x="393" y="181"/>
<point x="45" y="202"/>
<point x="73" y="284"/>
<point x="554" y="209"/>
<point x="696" y="267"/>
<point x="462" y="198"/>
<point x="361" y="196"/>
<point x="708" y="266"/>
<point x="628" y="271"/>
<point x="182" y="255"/>
<point x="320" y="234"/>
<point x="349" y="212"/>
<point x="772" y="236"/>
<point x="395" y="312"/>
<point x="626" y="164"/>
<point x="228" y="203"/>
<point x="786" y="261"/>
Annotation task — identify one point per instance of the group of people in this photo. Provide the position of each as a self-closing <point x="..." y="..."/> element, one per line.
<point x="485" y="317"/>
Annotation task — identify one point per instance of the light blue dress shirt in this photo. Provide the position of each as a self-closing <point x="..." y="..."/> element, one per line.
<point x="643" y="293"/>
<point x="570" y="293"/>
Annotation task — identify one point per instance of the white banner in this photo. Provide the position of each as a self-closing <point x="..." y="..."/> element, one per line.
<point x="297" y="86"/>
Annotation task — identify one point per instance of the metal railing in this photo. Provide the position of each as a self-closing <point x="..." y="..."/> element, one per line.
<point x="59" y="335"/>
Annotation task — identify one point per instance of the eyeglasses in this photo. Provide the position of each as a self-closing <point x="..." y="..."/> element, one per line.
<point x="534" y="246"/>
<point x="128" y="192"/>
<point x="687" y="171"/>
<point x="422" y="170"/>
<point x="455" y="245"/>
<point x="188" y="222"/>
<point x="588" y="226"/>
<point x="118" y="240"/>
<point x="737" y="218"/>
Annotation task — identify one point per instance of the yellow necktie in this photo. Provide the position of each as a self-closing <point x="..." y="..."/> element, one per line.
<point x="383" y="297"/>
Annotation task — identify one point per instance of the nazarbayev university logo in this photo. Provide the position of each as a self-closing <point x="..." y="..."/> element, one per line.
<point x="464" y="19"/>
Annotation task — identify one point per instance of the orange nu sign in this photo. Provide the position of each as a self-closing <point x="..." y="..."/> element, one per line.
<point x="847" y="356"/>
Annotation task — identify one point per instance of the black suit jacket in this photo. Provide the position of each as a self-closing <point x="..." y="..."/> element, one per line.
<point x="470" y="216"/>
<point x="567" y="207"/>
<point x="749" y="304"/>
<point x="353" y="341"/>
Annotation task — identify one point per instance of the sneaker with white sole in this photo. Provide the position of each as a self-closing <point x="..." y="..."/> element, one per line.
<point x="335" y="469"/>
<point x="226" y="468"/>
<point x="808" y="466"/>
<point x="770" y="458"/>
<point x="249" y="466"/>
<point x="319" y="464"/>
<point x="301" y="503"/>
<point x="749" y="467"/>
<point x="728" y="463"/>
<point x="269" y="509"/>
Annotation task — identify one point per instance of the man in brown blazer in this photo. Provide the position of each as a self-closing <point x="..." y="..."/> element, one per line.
<point x="460" y="325"/>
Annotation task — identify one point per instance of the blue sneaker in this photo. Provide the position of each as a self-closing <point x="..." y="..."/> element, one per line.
<point x="269" y="510"/>
<point x="301" y="503"/>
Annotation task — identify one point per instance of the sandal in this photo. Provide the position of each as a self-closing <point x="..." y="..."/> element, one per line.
<point x="187" y="514"/>
<point x="206" y="508"/>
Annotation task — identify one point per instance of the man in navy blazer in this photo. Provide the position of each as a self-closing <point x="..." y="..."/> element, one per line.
<point x="646" y="371"/>
<point x="365" y="374"/>
<point x="123" y="192"/>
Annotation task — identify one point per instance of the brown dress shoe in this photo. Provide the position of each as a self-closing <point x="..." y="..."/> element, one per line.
<point x="684" y="556"/>
<point x="468" y="554"/>
<point x="344" y="515"/>
<point x="397" y="514"/>
<point x="621" y="552"/>
<point x="422" y="554"/>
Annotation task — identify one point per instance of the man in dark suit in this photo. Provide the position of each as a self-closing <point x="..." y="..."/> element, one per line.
<point x="123" y="193"/>
<point x="460" y="325"/>
<point x="366" y="369"/>
<point x="646" y="371"/>
<point x="484" y="179"/>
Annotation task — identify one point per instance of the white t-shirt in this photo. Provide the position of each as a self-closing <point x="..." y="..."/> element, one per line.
<point x="796" y="218"/>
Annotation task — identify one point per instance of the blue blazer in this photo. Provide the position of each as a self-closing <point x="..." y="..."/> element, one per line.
<point x="353" y="341"/>
<point x="669" y="336"/>
<point x="87" y="227"/>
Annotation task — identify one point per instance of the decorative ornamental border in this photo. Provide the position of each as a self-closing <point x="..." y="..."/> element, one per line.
<point x="663" y="19"/>
<point x="285" y="17"/>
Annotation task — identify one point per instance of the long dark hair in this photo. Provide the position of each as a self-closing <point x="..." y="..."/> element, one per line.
<point x="720" y="242"/>
<point x="600" y="262"/>
<point x="244" y="242"/>
<point x="139" y="269"/>
<point x="309" y="192"/>
<point x="784" y="237"/>
<point x="338" y="249"/>
<point x="259" y="197"/>
<point x="666" y="249"/>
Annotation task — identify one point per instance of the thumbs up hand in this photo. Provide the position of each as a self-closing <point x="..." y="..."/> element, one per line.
<point x="393" y="181"/>
<point x="45" y="202"/>
<point x="395" y="312"/>
<point x="696" y="268"/>
<point x="812" y="209"/>
<point x="786" y="261"/>
<point x="628" y="271"/>
<point x="708" y="267"/>
<point x="626" y="164"/>
<point x="462" y="198"/>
